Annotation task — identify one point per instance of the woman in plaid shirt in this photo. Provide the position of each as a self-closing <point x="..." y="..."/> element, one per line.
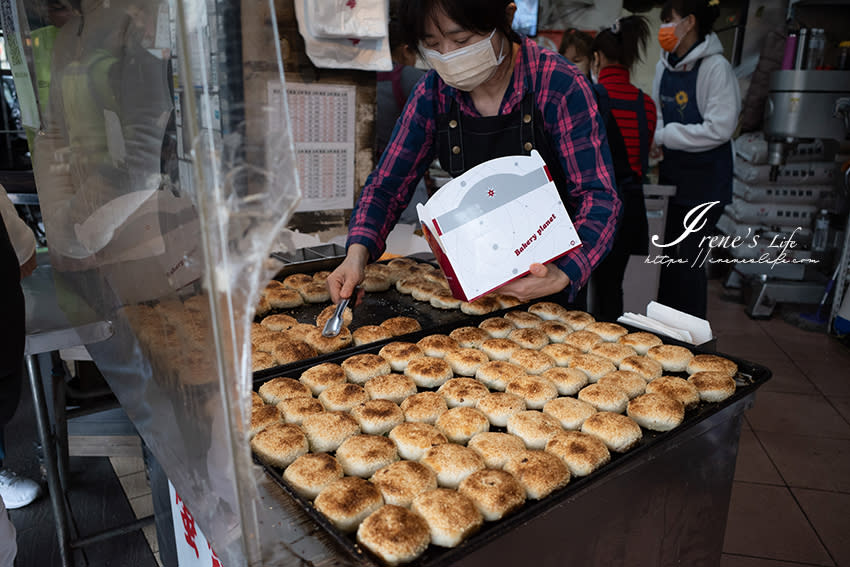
<point x="490" y="93"/>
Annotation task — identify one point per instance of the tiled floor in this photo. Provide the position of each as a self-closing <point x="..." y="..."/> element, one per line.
<point x="791" y="497"/>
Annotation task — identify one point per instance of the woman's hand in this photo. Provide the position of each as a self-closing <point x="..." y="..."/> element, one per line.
<point x="346" y="276"/>
<point x="655" y="152"/>
<point x="542" y="281"/>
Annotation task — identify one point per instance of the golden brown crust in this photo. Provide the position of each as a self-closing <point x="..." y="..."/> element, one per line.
<point x="261" y="360"/>
<point x="315" y="292"/>
<point x="656" y="412"/>
<point x="394" y="534"/>
<point x="343" y="397"/>
<point x="640" y="341"/>
<point x="532" y="338"/>
<point x="604" y="398"/>
<point x="523" y="319"/>
<point x="326" y="431"/>
<point x="535" y="428"/>
<point x="568" y="381"/>
<point x="593" y="365"/>
<point x="534" y="390"/>
<point x="547" y="310"/>
<point x="497" y="327"/>
<point x="619" y="432"/>
<point x="403" y="481"/>
<point x="615" y="352"/>
<point x="466" y="361"/>
<point x="278" y="389"/>
<point x="462" y="392"/>
<point x="538" y="472"/>
<point x="256" y="400"/>
<point x="469" y="337"/>
<point x="556" y="331"/>
<point x="459" y="424"/>
<point x="328" y="312"/>
<point x="712" y="363"/>
<point x="392" y="387"/>
<point x="377" y="416"/>
<point x="401" y="325"/>
<point x="325" y="345"/>
<point x="673" y="358"/>
<point x="495" y="448"/>
<point x="321" y="376"/>
<point x="609" y="332"/>
<point x="452" y="463"/>
<point x="577" y="320"/>
<point x="278" y="322"/>
<point x="582" y="340"/>
<point x="497" y="373"/>
<point x="262" y="417"/>
<point x="369" y="334"/>
<point x="676" y="388"/>
<point x="713" y="386"/>
<point x="570" y="412"/>
<point x="437" y="345"/>
<point x="495" y="493"/>
<point x="498" y="349"/>
<point x="646" y="367"/>
<point x="361" y="367"/>
<point x="311" y="473"/>
<point x="362" y="455"/>
<point x="506" y="301"/>
<point x="321" y="276"/>
<point x="291" y="351"/>
<point x="374" y="283"/>
<point x="450" y="515"/>
<point x="399" y="353"/>
<point x="283" y="298"/>
<point x="581" y="452"/>
<point x="630" y="382"/>
<point x="499" y="406"/>
<point x="348" y="501"/>
<point x="428" y="372"/>
<point x="532" y="361"/>
<point x="413" y="439"/>
<point x="296" y="281"/>
<point x="443" y="299"/>
<point x="481" y="306"/>
<point x="297" y="332"/>
<point x="562" y="354"/>
<point x="424" y="290"/>
<point x="279" y="444"/>
<point x="294" y="410"/>
<point x="424" y="407"/>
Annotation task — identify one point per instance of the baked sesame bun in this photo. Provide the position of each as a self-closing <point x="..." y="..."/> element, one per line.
<point x="630" y="382"/>
<point x="640" y="341"/>
<point x="437" y="346"/>
<point x="424" y="407"/>
<point x="402" y="262"/>
<point x="348" y="501"/>
<point x="377" y="417"/>
<point x="258" y="334"/>
<point x="298" y="332"/>
<point x="577" y="320"/>
<point x="377" y="269"/>
<point x="497" y="373"/>
<point x="399" y="353"/>
<point x="428" y="372"/>
<point x="570" y="412"/>
<point x="452" y="463"/>
<point x="369" y="334"/>
<point x="538" y="472"/>
<point x="321" y="276"/>
<point x="582" y="453"/>
<point x="279" y="444"/>
<point x="582" y="340"/>
<point x="461" y="423"/>
<point x="460" y="392"/>
<point x="403" y="481"/>
<point x="534" y="390"/>
<point x="256" y="400"/>
<point x="294" y="410"/>
<point x="615" y="352"/>
<point x="326" y="431"/>
<point x="481" y="306"/>
<point x="278" y="322"/>
<point x="325" y="345"/>
<point x="497" y="327"/>
<point x="361" y="367"/>
<point x="263" y="306"/>
<point x="315" y="292"/>
<point x="297" y="281"/>
<point x="556" y="331"/>
<point x="273" y="284"/>
<point x="292" y="351"/>
<point x="469" y="337"/>
<point x="498" y="349"/>
<point x="309" y="474"/>
<point x="495" y="493"/>
<point x="392" y="387"/>
<point x="619" y="432"/>
<point x="713" y="386"/>
<point x="267" y="340"/>
<point x="466" y="361"/>
<point x="656" y="412"/>
<point x="647" y="368"/>
<point x="343" y="397"/>
<point x="413" y="439"/>
<point x="262" y="417"/>
<point x="533" y="427"/>
<point x="499" y="406"/>
<point x="568" y="381"/>
<point x="424" y="290"/>
<point x="532" y="338"/>
<point x="362" y="455"/>
<point x="496" y="448"/>
<point x="394" y="534"/>
<point x="278" y="389"/>
<point x="283" y="298"/>
<point x="404" y="282"/>
<point x="261" y="360"/>
<point x="401" y="325"/>
<point x="593" y="365"/>
<point x="443" y="299"/>
<point x="451" y="516"/>
<point x="676" y="388"/>
<point x="318" y="378"/>
<point x="562" y="354"/>
<point x="532" y="361"/>
<point x="604" y="398"/>
<point x="374" y="283"/>
<point x="610" y="332"/>
<point x="506" y="301"/>
<point x="547" y="310"/>
<point x="712" y="363"/>
<point x="672" y="358"/>
<point x="328" y="312"/>
<point x="523" y="319"/>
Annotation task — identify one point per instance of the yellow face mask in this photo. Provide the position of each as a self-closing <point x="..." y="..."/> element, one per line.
<point x="667" y="37"/>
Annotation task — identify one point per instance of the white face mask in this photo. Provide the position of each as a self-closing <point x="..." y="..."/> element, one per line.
<point x="467" y="67"/>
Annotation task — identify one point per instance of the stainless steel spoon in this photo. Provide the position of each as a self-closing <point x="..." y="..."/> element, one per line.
<point x="334" y="324"/>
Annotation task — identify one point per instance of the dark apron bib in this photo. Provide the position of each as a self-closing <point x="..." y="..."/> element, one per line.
<point x="698" y="176"/>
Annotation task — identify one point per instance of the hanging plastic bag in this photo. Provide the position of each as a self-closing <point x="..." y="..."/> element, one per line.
<point x="360" y="19"/>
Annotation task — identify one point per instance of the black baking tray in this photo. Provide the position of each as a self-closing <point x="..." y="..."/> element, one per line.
<point x="749" y="378"/>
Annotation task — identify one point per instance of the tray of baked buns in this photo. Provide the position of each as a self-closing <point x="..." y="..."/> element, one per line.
<point x="424" y="448"/>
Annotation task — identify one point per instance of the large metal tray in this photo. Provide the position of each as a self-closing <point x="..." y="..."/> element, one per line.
<point x="749" y="378"/>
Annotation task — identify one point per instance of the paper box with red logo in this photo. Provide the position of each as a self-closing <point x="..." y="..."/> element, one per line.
<point x="487" y="226"/>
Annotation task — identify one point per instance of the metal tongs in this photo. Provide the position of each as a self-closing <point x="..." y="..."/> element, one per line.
<point x="334" y="325"/>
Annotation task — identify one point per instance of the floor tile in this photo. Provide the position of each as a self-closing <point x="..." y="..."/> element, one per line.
<point x="829" y="513"/>
<point x="831" y="378"/>
<point x="799" y="414"/>
<point x="809" y="462"/>
<point x="753" y="464"/>
<point x="135" y="484"/>
<point x="842" y="404"/>
<point x="786" y="377"/>
<point x="142" y="506"/>
<point x="742" y="561"/>
<point x="765" y="521"/>
<point x="127" y="465"/>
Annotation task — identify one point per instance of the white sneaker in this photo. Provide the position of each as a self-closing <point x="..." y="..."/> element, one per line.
<point x="17" y="491"/>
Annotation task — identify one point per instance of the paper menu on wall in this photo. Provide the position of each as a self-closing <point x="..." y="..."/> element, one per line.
<point x="322" y="120"/>
<point x="487" y="226"/>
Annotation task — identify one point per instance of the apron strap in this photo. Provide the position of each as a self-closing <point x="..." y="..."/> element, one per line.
<point x="643" y="135"/>
<point x="526" y="126"/>
<point x="455" y="140"/>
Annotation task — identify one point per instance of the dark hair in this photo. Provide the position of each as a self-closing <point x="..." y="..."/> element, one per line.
<point x="706" y="13"/>
<point x="578" y="39"/>
<point x="623" y="42"/>
<point x="480" y="16"/>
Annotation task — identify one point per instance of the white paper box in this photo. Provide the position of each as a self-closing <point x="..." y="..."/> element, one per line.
<point x="487" y="226"/>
